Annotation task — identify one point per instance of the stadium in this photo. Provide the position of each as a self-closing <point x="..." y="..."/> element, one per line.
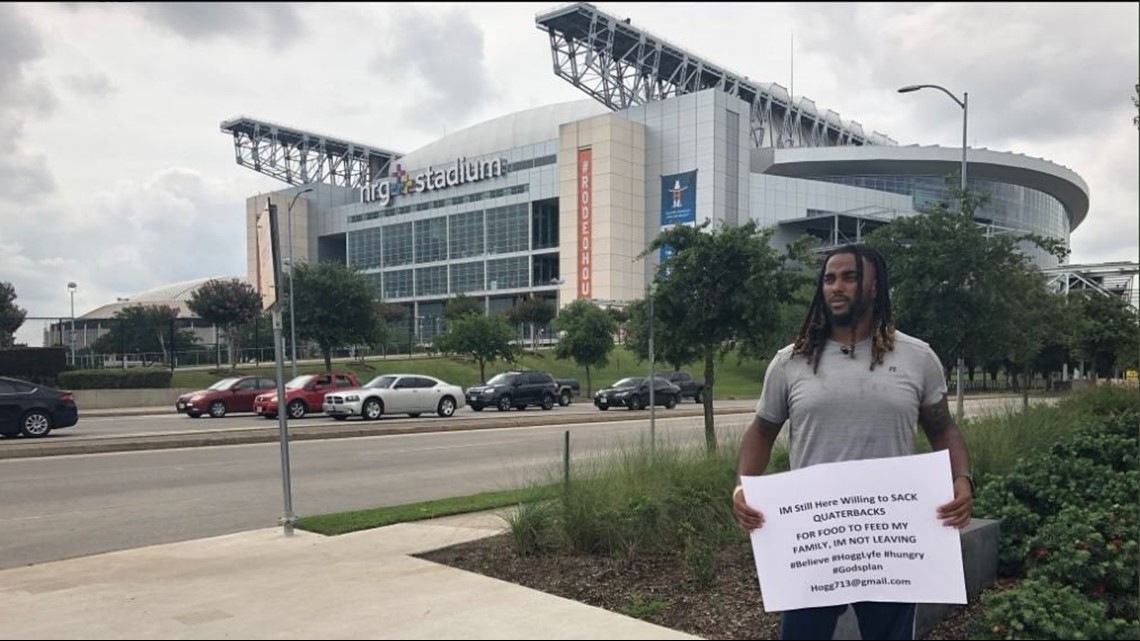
<point x="560" y="201"/>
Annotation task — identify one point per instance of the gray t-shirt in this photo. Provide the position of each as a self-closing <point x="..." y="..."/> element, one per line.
<point x="846" y="412"/>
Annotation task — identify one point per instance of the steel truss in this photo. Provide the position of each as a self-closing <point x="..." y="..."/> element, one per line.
<point x="300" y="158"/>
<point x="622" y="66"/>
<point x="1117" y="279"/>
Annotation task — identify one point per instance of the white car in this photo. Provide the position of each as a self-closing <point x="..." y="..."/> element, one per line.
<point x="411" y="394"/>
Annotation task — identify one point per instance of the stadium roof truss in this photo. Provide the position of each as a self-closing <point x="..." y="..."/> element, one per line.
<point x="300" y="157"/>
<point x="622" y="66"/>
<point x="1117" y="279"/>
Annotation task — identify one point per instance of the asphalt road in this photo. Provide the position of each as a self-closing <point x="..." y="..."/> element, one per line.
<point x="58" y="507"/>
<point x="64" y="506"/>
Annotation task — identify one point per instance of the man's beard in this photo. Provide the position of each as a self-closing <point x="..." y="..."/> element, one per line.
<point x="855" y="311"/>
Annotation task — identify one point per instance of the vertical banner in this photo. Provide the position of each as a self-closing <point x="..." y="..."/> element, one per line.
<point x="585" y="222"/>
<point x="678" y="203"/>
<point x="268" y="263"/>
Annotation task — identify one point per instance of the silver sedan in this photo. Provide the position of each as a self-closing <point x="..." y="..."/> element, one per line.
<point x="411" y="394"/>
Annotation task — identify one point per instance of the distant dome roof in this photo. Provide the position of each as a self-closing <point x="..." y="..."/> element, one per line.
<point x="507" y="132"/>
<point x="175" y="295"/>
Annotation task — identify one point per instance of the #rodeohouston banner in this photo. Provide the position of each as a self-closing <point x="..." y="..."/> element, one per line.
<point x="585" y="222"/>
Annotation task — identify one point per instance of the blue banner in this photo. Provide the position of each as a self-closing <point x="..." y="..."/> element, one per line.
<point x="678" y="203"/>
<point x="679" y="198"/>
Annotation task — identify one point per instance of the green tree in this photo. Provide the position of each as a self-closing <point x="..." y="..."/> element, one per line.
<point x="228" y="304"/>
<point x="383" y="335"/>
<point x="589" y="336"/>
<point x="666" y="348"/>
<point x="259" y="333"/>
<point x="1034" y="316"/>
<point x="485" y="339"/>
<point x="144" y="329"/>
<point x="717" y="291"/>
<point x="537" y="312"/>
<point x="949" y="278"/>
<point x="334" y="306"/>
<point x="11" y="316"/>
<point x="1106" y="331"/>
<point x="462" y="305"/>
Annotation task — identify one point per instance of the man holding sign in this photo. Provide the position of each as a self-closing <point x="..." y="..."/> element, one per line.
<point x="852" y="388"/>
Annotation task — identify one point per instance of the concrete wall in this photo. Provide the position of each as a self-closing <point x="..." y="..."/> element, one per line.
<point x="97" y="399"/>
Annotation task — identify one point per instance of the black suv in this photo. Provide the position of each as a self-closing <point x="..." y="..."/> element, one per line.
<point x="514" y="389"/>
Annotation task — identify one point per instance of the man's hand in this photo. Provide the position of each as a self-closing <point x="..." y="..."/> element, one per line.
<point x="956" y="513"/>
<point x="748" y="518"/>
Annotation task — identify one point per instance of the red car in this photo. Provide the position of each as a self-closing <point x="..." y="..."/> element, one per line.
<point x="227" y="395"/>
<point x="305" y="394"/>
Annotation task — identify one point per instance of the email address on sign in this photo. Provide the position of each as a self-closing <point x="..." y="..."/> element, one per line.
<point x="856" y="583"/>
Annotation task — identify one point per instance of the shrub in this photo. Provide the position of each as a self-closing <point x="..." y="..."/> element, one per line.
<point x="1095" y="551"/>
<point x="1040" y="609"/>
<point x="115" y="379"/>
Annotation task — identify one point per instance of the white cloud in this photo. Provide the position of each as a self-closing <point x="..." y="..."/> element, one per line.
<point x="116" y="175"/>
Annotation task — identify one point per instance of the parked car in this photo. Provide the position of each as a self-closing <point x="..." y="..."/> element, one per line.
<point x="633" y="392"/>
<point x="305" y="393"/>
<point x="693" y="388"/>
<point x="411" y="394"/>
<point x="234" y="394"/>
<point x="34" y="410"/>
<point x="568" y="388"/>
<point x="519" y="389"/>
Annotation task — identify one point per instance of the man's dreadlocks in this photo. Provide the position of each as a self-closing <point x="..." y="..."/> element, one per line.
<point x="816" y="328"/>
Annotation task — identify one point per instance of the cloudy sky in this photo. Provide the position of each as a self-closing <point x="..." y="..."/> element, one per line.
<point x="114" y="173"/>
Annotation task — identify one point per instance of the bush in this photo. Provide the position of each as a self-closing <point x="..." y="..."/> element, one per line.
<point x="115" y="379"/>
<point x="1102" y="400"/>
<point x="1040" y="609"/>
<point x="1093" y="550"/>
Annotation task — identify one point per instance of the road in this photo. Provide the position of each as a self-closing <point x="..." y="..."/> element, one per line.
<point x="65" y="506"/>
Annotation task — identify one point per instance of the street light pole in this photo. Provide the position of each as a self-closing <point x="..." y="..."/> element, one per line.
<point x="292" y="271"/>
<point x="964" y="104"/>
<point x="71" y="339"/>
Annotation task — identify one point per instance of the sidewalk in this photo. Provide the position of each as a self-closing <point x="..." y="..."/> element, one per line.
<point x="263" y="585"/>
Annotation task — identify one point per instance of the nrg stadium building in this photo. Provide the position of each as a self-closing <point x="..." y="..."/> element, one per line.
<point x="560" y="201"/>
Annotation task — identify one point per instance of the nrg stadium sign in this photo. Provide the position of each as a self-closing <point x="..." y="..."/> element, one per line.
<point x="463" y="171"/>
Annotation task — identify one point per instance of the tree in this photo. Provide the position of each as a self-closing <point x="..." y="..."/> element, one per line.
<point x="11" y="316"/>
<point x="462" y="305"/>
<point x="949" y="278"/>
<point x="227" y="304"/>
<point x="666" y="348"/>
<point x="382" y="333"/>
<point x="589" y="336"/>
<point x="1107" y="330"/>
<point x="717" y="291"/>
<point x="538" y="312"/>
<point x="485" y="339"/>
<point x="144" y="329"/>
<point x="333" y="306"/>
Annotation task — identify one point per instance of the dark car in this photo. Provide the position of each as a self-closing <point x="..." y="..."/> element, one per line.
<point x="693" y="388"/>
<point x="34" y="410"/>
<point x="515" y="389"/>
<point x="633" y="392"/>
<point x="227" y="395"/>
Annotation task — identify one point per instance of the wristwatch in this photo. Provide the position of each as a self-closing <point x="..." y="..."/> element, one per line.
<point x="970" y="478"/>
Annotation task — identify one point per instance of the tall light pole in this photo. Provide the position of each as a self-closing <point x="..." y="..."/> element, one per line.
<point x="71" y="287"/>
<point x="292" y="270"/>
<point x="964" y="104"/>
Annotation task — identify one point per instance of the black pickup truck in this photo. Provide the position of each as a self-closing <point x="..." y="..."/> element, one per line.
<point x="567" y="389"/>
<point x="693" y="388"/>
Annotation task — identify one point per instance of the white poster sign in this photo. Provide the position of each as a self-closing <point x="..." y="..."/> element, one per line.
<point x="857" y="531"/>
